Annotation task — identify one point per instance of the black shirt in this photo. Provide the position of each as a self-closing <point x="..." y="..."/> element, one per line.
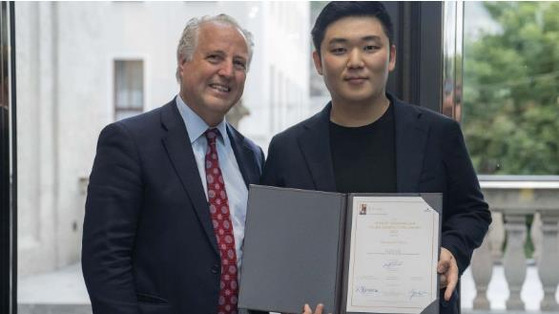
<point x="364" y="158"/>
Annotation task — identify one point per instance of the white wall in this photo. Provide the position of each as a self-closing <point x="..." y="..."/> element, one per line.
<point x="65" y="53"/>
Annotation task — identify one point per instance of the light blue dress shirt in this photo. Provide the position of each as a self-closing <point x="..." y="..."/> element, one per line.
<point x="235" y="187"/>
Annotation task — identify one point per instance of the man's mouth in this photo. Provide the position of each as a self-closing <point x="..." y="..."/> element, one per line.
<point x="356" y="78"/>
<point x="220" y="87"/>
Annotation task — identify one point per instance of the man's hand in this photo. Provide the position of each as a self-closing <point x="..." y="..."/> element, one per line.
<point x="307" y="309"/>
<point x="448" y="269"/>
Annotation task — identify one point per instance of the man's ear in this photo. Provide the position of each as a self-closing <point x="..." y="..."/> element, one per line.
<point x="317" y="62"/>
<point x="392" y="61"/>
<point x="184" y="62"/>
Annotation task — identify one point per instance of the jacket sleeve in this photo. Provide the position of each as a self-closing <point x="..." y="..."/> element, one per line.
<point x="113" y="205"/>
<point x="466" y="216"/>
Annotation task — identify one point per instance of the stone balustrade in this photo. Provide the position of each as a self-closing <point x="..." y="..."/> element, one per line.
<point x="512" y="200"/>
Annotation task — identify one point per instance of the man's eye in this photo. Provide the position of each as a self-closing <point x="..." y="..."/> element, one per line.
<point x="240" y="65"/>
<point x="213" y="58"/>
<point x="371" y="48"/>
<point x="337" y="51"/>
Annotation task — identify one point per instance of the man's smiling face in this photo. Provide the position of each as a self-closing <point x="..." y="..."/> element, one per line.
<point x="355" y="59"/>
<point x="213" y="80"/>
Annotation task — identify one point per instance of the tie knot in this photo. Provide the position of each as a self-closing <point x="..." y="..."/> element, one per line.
<point x="211" y="135"/>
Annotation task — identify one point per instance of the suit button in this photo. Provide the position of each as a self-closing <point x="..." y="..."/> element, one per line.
<point x="215" y="269"/>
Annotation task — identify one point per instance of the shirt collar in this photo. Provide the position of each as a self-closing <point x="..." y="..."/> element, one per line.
<point x="195" y="126"/>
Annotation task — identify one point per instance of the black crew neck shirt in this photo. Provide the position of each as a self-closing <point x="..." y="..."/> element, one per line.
<point x="364" y="158"/>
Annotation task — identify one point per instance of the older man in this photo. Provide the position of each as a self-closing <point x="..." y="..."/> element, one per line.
<point x="167" y="196"/>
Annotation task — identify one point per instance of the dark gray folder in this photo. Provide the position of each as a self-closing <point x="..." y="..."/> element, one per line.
<point x="294" y="248"/>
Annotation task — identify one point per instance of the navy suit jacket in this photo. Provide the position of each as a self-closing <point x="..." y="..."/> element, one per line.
<point x="431" y="156"/>
<point x="148" y="241"/>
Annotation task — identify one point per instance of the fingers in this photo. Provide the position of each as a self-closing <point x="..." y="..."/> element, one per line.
<point x="307" y="309"/>
<point x="443" y="282"/>
<point x="452" y="280"/>
<point x="443" y="266"/>
<point x="444" y="261"/>
<point x="448" y="269"/>
<point x="442" y="269"/>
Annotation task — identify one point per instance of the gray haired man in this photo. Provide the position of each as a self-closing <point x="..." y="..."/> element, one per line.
<point x="167" y="196"/>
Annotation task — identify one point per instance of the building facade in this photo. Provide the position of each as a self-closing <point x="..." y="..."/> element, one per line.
<point x="83" y="65"/>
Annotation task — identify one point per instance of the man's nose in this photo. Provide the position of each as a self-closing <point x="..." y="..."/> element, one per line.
<point x="355" y="59"/>
<point x="226" y="69"/>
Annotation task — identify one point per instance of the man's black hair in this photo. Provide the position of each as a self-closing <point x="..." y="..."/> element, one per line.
<point x="337" y="10"/>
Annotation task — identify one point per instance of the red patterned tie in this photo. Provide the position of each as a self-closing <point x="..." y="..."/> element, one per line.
<point x="223" y="228"/>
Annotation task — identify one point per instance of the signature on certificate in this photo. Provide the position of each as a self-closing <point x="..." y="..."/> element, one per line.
<point x="363" y="290"/>
<point x="392" y="265"/>
<point x="415" y="293"/>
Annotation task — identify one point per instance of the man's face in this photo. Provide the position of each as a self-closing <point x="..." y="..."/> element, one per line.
<point x="213" y="81"/>
<point x="355" y="60"/>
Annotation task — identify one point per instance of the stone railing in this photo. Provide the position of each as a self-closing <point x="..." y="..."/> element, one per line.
<point x="512" y="200"/>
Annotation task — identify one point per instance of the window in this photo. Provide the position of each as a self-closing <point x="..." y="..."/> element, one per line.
<point x="129" y="88"/>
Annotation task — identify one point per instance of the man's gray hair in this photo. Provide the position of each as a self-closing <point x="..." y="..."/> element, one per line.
<point x="188" y="40"/>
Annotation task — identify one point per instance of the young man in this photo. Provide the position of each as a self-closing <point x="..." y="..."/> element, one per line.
<point x="366" y="140"/>
<point x="167" y="196"/>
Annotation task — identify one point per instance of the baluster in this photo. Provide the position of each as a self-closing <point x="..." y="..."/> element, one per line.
<point x="548" y="261"/>
<point x="482" y="269"/>
<point x="497" y="235"/>
<point x="536" y="233"/>
<point x="514" y="261"/>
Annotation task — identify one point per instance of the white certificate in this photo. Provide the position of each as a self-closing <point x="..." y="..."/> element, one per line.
<point x="393" y="255"/>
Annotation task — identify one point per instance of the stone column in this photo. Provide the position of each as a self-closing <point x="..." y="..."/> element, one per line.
<point x="536" y="233"/>
<point x="514" y="261"/>
<point x="482" y="269"/>
<point x="496" y="236"/>
<point x="548" y="261"/>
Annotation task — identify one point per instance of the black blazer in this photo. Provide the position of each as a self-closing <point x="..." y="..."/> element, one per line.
<point x="148" y="241"/>
<point x="430" y="157"/>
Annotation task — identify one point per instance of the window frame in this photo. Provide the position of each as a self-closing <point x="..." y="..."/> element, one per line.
<point x="115" y="107"/>
<point x="8" y="165"/>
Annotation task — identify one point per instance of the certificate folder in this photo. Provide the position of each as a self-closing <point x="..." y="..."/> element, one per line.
<point x="300" y="247"/>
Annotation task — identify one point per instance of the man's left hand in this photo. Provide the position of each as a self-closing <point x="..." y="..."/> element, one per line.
<point x="448" y="269"/>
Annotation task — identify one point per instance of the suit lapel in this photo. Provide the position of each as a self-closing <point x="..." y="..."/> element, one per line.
<point x="315" y="145"/>
<point x="182" y="157"/>
<point x="411" y="136"/>
<point x="245" y="157"/>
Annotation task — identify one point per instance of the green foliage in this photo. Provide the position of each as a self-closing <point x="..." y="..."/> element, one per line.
<point x="511" y="91"/>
